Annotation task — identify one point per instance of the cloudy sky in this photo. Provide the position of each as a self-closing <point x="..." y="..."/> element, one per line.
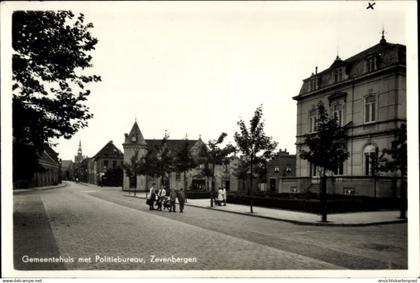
<point x="196" y="68"/>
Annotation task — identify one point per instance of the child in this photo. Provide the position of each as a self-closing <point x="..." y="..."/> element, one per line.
<point x="172" y="197"/>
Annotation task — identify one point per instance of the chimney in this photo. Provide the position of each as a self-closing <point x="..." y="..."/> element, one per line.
<point x="316" y="70"/>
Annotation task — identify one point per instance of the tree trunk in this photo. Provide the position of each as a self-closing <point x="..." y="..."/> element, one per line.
<point x="323" y="196"/>
<point x="185" y="185"/>
<point x="251" y="209"/>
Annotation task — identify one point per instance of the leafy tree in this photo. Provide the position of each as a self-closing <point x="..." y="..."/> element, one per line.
<point x="242" y="172"/>
<point x="326" y="150"/>
<point x="184" y="161"/>
<point x="113" y="177"/>
<point x="395" y="159"/>
<point x="51" y="52"/>
<point x="158" y="161"/>
<point x="214" y="155"/>
<point x="254" y="145"/>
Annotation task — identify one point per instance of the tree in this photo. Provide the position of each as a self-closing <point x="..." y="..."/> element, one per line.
<point x="214" y="155"/>
<point x="184" y="161"/>
<point x="242" y="172"/>
<point x="397" y="162"/>
<point x="327" y="150"/>
<point x="51" y="51"/>
<point x="254" y="145"/>
<point x="158" y="162"/>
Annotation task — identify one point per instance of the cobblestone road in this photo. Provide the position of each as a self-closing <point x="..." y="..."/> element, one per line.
<point x="88" y="222"/>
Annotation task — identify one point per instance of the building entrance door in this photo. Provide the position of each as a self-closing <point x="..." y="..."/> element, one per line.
<point x="272" y="185"/>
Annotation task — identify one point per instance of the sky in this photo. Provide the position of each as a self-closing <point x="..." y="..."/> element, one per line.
<point x="196" y="68"/>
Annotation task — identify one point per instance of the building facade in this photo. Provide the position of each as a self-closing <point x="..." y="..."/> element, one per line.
<point x="105" y="167"/>
<point x="67" y="169"/>
<point x="50" y="173"/>
<point x="280" y="166"/>
<point x="366" y="93"/>
<point x="136" y="145"/>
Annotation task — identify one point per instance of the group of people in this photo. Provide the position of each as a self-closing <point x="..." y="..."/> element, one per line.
<point x="159" y="199"/>
<point x="221" y="197"/>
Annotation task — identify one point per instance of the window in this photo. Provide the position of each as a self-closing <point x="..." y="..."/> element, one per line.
<point x="338" y="75"/>
<point x="339" y="170"/>
<point x="178" y="176"/>
<point x="312" y="170"/>
<point x="314" y="84"/>
<point x="313" y="125"/>
<point x="370" y="158"/>
<point x="105" y="163"/>
<point x="371" y="64"/>
<point x="338" y="114"/>
<point x="370" y="109"/>
<point x="114" y="163"/>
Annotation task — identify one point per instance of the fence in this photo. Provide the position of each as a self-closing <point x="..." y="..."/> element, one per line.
<point x="345" y="185"/>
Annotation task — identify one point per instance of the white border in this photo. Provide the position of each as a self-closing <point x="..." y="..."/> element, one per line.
<point x="6" y="157"/>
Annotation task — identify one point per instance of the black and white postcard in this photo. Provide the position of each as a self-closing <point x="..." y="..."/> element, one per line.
<point x="209" y="139"/>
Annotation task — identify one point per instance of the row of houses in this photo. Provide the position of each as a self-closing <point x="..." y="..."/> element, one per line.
<point x="104" y="168"/>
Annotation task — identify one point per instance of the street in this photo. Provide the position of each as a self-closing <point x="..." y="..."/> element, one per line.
<point x="90" y="228"/>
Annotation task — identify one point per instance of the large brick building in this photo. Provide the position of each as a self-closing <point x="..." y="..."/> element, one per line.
<point x="367" y="95"/>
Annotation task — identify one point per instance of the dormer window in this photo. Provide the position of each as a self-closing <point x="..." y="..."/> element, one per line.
<point x="133" y="138"/>
<point x="314" y="84"/>
<point x="371" y="64"/>
<point x="338" y="75"/>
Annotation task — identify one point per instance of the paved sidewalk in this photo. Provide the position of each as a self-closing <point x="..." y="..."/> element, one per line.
<point x="58" y="186"/>
<point x="303" y="218"/>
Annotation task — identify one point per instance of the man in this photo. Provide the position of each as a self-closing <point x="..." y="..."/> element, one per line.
<point x="181" y="199"/>
<point x="161" y="196"/>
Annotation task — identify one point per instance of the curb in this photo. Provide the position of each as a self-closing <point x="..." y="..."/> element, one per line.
<point x="308" y="223"/>
<point x="35" y="189"/>
<point x="331" y="224"/>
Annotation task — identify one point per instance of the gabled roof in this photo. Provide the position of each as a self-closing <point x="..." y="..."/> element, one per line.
<point x="135" y="132"/>
<point x="175" y="146"/>
<point x="109" y="150"/>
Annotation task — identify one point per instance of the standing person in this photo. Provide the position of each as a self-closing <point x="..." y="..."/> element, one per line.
<point x="151" y="197"/>
<point x="219" y="197"/>
<point x="172" y="198"/>
<point x="224" y="196"/>
<point x="161" y="196"/>
<point x="181" y="199"/>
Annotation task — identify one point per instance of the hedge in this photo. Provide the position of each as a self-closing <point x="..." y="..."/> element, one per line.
<point x="335" y="204"/>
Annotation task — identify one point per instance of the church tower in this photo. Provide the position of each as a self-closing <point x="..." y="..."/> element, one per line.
<point x="134" y="143"/>
<point x="79" y="157"/>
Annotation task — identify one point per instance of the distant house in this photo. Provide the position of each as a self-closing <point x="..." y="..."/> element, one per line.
<point x="105" y="167"/>
<point x="366" y="93"/>
<point x="67" y="171"/>
<point x="50" y="172"/>
<point x="281" y="165"/>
